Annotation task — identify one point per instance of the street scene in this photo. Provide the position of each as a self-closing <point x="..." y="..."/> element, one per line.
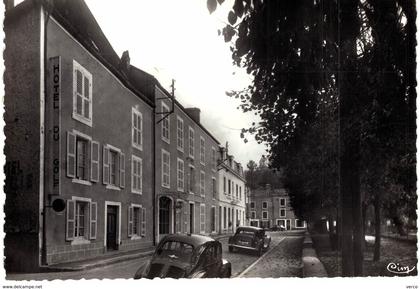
<point x="210" y="139"/>
<point x="283" y="260"/>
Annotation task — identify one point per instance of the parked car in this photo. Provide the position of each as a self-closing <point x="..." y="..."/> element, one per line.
<point x="250" y="238"/>
<point x="276" y="228"/>
<point x="186" y="256"/>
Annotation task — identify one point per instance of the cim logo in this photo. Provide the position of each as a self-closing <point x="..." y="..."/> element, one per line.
<point x="399" y="269"/>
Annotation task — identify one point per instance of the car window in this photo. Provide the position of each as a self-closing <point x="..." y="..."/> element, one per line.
<point x="245" y="231"/>
<point x="176" y="250"/>
<point x="210" y="255"/>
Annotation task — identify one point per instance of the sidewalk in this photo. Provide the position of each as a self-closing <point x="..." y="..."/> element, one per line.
<point x="312" y="266"/>
<point x="107" y="259"/>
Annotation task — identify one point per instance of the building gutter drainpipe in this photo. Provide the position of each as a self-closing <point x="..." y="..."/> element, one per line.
<point x="154" y="173"/>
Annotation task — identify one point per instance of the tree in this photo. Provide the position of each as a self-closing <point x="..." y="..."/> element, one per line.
<point x="302" y="55"/>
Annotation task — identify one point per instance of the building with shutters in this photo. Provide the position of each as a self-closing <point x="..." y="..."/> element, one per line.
<point x="186" y="158"/>
<point x="78" y="129"/>
<point x="269" y="207"/>
<point x="232" y="193"/>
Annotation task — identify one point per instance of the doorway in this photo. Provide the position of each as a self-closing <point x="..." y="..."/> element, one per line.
<point x="164" y="216"/>
<point x="191" y="218"/>
<point x="288" y="225"/>
<point x="111" y="228"/>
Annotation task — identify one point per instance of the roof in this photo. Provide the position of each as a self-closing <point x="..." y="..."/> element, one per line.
<point x="193" y="239"/>
<point x="250" y="228"/>
<point x="76" y="17"/>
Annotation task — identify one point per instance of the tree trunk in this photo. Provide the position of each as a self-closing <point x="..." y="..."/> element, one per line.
<point x="349" y="139"/>
<point x="377" y="248"/>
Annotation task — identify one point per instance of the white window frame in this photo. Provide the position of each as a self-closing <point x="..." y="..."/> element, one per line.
<point x="214" y="188"/>
<point x="85" y="73"/>
<point x="202" y="218"/>
<point x="253" y="215"/>
<point x="165" y="108"/>
<point x="202" y="183"/>
<point x="142" y="220"/>
<point x="180" y="134"/>
<point x="280" y="205"/>
<point x="166" y="185"/>
<point x="110" y="186"/>
<point x="191" y="142"/>
<point x="88" y="139"/>
<point x="87" y="237"/>
<point x="136" y="159"/>
<point x="282" y="215"/>
<point x="262" y="205"/>
<point x="262" y="215"/>
<point x="300" y="227"/>
<point x="180" y="172"/>
<point x="202" y="150"/>
<point x="215" y="218"/>
<point x="252" y="205"/>
<point x="135" y="130"/>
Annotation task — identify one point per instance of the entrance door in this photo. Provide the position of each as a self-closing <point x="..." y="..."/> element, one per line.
<point x="288" y="225"/>
<point x="111" y="228"/>
<point x="164" y="216"/>
<point x="191" y="218"/>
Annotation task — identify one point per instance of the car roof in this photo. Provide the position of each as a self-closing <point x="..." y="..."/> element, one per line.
<point x="250" y="228"/>
<point x="193" y="239"/>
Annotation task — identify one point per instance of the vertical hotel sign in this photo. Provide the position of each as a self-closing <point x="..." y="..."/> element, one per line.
<point x="53" y="108"/>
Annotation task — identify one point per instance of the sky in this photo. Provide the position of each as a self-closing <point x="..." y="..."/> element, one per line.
<point x="179" y="40"/>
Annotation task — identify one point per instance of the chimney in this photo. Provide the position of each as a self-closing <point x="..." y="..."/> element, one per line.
<point x="194" y="113"/>
<point x="125" y="62"/>
<point x="223" y="152"/>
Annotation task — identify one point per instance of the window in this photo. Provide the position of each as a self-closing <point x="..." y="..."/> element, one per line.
<point x="202" y="218"/>
<point x="82" y="94"/>
<point x="265" y="215"/>
<point x="282" y="213"/>
<point x="240" y="192"/>
<point x="213" y="219"/>
<point x="165" y="122"/>
<point x="224" y="218"/>
<point x="228" y="187"/>
<point x="82" y="162"/>
<point x="136" y="221"/>
<point x="264" y="205"/>
<point x="282" y="202"/>
<point x="252" y="205"/>
<point x="81" y="219"/>
<point x="191" y="142"/>
<point x="213" y="159"/>
<point x="191" y="183"/>
<point x="237" y="191"/>
<point x="202" y="183"/>
<point x="202" y="151"/>
<point x="180" y="175"/>
<point x="113" y="167"/>
<point x="136" y="175"/>
<point x="299" y="223"/>
<point x="82" y="158"/>
<point x="165" y="169"/>
<point x="214" y="187"/>
<point x="224" y="185"/>
<point x="180" y="133"/>
<point x="253" y="215"/>
<point x="137" y="129"/>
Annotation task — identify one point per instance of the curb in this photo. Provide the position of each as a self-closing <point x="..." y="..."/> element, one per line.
<point x="312" y="266"/>
<point x="100" y="263"/>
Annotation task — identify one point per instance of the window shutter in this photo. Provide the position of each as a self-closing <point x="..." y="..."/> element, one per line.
<point x="143" y="222"/>
<point x="122" y="170"/>
<point x="94" y="174"/>
<point x="130" y="221"/>
<point x="105" y="159"/>
<point x="71" y="155"/>
<point x="93" y="219"/>
<point x="70" y="216"/>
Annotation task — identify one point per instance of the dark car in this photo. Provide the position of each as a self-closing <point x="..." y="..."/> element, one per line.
<point x="250" y="238"/>
<point x="186" y="256"/>
<point x="276" y="228"/>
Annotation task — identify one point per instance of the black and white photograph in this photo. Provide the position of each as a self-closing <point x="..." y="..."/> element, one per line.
<point x="264" y="140"/>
